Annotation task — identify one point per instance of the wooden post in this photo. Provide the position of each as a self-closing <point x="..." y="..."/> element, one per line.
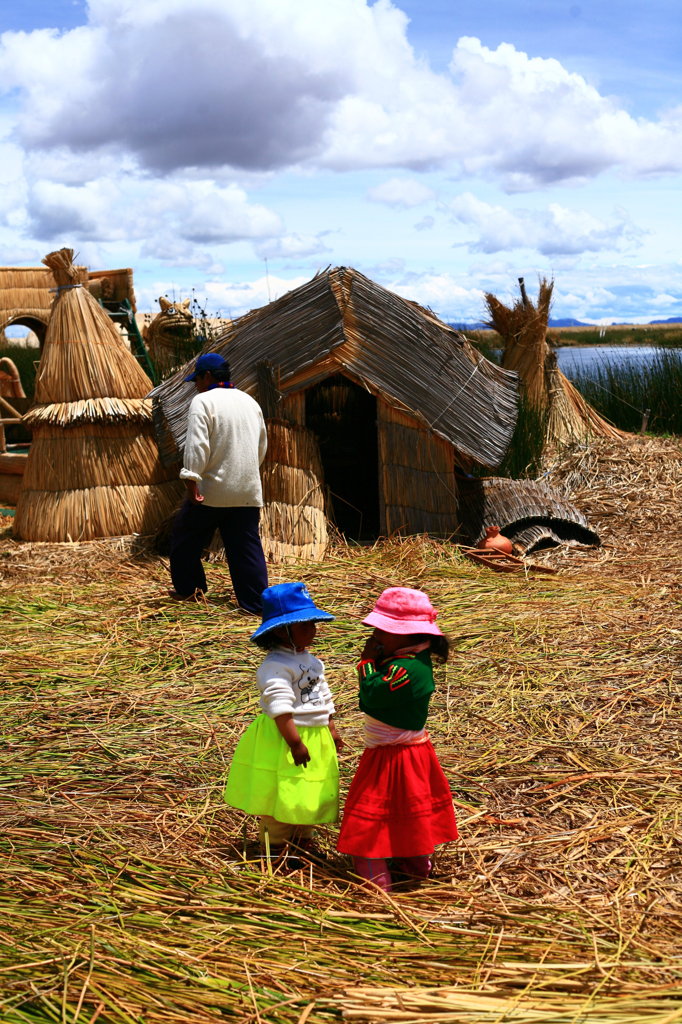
<point x="524" y="297"/>
<point x="645" y="420"/>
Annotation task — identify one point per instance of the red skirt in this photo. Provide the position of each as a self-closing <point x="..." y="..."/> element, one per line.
<point x="398" y="805"/>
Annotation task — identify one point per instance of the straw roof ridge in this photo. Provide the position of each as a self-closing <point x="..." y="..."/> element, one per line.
<point x="341" y="322"/>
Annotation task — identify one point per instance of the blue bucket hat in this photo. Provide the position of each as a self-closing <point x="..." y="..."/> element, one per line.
<point x="286" y="603"/>
<point x="209" y="361"/>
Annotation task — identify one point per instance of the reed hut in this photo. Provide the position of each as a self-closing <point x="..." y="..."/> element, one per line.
<point x="93" y="468"/>
<point x="522" y="328"/>
<point x="27" y="293"/>
<point x="370" y="401"/>
<point x="26" y="296"/>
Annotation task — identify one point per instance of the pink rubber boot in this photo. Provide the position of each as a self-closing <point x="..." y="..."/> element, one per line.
<point x="374" y="869"/>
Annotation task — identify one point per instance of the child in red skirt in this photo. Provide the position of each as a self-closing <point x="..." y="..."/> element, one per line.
<point x="399" y="805"/>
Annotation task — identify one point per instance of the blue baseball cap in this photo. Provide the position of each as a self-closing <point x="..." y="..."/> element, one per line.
<point x="209" y="361"/>
<point x="286" y="603"/>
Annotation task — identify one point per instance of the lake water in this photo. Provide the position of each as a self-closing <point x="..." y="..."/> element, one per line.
<point x="585" y="358"/>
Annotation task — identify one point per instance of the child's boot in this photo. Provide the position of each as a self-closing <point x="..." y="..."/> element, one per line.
<point x="374" y="869"/>
<point x="414" y="867"/>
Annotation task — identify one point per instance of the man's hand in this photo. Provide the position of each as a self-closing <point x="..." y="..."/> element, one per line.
<point x="193" y="492"/>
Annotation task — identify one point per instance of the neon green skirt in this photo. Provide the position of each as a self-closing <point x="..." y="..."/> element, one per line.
<point x="263" y="778"/>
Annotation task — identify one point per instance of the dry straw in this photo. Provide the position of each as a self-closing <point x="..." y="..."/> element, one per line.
<point x="131" y="893"/>
<point x="93" y="468"/>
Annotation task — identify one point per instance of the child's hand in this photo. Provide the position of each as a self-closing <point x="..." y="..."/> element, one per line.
<point x="299" y="752"/>
<point x="372" y="649"/>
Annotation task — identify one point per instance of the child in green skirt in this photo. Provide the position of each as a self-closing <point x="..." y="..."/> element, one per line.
<point x="285" y="766"/>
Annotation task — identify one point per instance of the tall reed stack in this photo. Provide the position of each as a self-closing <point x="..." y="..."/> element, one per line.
<point x="523" y="330"/>
<point x="93" y="468"/>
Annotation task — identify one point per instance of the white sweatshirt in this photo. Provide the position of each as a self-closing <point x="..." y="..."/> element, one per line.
<point x="291" y="682"/>
<point x="225" y="445"/>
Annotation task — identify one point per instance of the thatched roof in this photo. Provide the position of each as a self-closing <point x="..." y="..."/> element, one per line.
<point x="529" y="512"/>
<point x="341" y="322"/>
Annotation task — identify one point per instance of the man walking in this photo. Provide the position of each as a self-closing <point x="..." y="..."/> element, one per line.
<point x="224" y="448"/>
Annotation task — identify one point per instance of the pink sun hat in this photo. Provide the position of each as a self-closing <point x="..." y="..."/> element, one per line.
<point x="404" y="611"/>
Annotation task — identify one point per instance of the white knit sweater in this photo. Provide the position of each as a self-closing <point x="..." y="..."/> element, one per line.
<point x="225" y="445"/>
<point x="292" y="682"/>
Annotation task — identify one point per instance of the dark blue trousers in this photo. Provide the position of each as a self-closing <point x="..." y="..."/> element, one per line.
<point x="193" y="531"/>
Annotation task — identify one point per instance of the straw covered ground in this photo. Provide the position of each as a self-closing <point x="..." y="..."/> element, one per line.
<point x="129" y="893"/>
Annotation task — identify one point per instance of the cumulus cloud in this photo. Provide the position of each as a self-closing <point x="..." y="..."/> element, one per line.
<point x="234" y="299"/>
<point x="554" y="231"/>
<point x="292" y="247"/>
<point x="136" y="209"/>
<point x="401" y="192"/>
<point x="271" y="84"/>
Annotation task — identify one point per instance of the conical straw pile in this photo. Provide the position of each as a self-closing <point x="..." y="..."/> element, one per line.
<point x="523" y="330"/>
<point x="93" y="468"/>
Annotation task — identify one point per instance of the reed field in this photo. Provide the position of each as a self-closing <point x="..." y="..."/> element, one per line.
<point x="130" y="893"/>
<point x="624" y="393"/>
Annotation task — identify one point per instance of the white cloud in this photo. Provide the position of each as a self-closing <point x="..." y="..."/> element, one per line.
<point x="232" y="300"/>
<point x="554" y="231"/>
<point x="292" y="247"/>
<point x="270" y="84"/>
<point x="401" y="192"/>
<point x="196" y="211"/>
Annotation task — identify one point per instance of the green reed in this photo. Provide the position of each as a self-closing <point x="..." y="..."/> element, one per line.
<point x="623" y="392"/>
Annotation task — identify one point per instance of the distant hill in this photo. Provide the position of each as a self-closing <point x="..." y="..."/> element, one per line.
<point x="568" y="321"/>
<point x="562" y="322"/>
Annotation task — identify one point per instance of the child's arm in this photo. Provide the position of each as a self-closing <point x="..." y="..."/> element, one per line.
<point x="338" y="742"/>
<point x="289" y="733"/>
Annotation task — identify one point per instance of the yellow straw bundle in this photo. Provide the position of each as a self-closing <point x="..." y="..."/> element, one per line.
<point x="93" y="469"/>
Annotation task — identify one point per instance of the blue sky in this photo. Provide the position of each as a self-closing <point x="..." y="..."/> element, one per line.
<point x="235" y="147"/>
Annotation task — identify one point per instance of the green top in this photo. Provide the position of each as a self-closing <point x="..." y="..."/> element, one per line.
<point x="397" y="691"/>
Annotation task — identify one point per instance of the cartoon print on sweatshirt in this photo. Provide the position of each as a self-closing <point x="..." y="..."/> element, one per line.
<point x="308" y="684"/>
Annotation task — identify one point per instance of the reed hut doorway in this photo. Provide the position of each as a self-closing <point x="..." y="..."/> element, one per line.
<point x="343" y="416"/>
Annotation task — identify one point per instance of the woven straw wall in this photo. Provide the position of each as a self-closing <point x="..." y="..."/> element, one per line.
<point x="25" y="293"/>
<point x="418" y="486"/>
<point x="293" y="521"/>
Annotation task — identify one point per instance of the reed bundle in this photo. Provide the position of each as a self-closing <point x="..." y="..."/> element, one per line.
<point x="131" y="893"/>
<point x="116" y="456"/>
<point x="93" y="468"/>
<point x="110" y="510"/>
<point x="84" y="355"/>
<point x="522" y="328"/>
<point x="90" y="410"/>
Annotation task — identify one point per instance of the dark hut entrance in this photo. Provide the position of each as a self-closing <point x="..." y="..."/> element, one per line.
<point x="343" y="416"/>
